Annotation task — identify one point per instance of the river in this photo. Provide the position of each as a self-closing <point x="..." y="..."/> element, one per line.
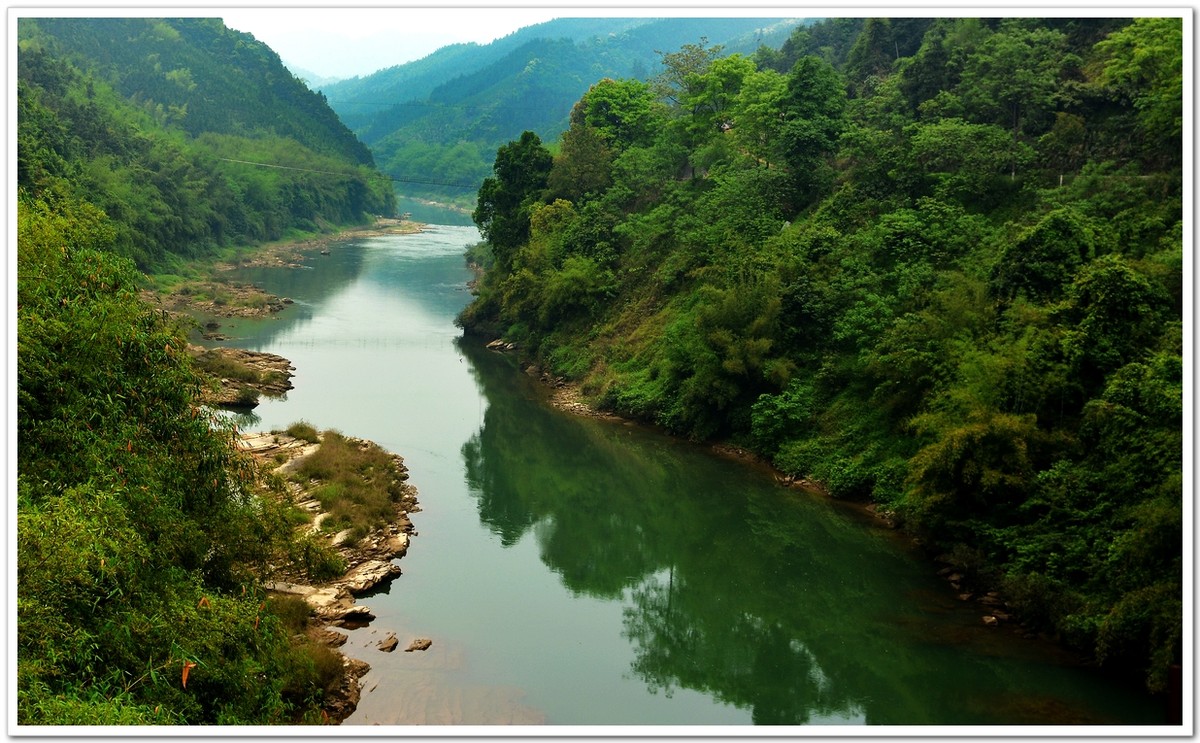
<point x="573" y="571"/>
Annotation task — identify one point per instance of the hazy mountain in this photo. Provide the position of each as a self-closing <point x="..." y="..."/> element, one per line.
<point x="434" y="124"/>
<point x="310" y="78"/>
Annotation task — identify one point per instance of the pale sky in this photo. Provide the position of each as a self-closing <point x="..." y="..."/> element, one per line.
<point x="345" y="42"/>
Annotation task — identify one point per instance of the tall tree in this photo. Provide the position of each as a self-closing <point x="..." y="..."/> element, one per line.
<point x="813" y="110"/>
<point x="502" y="211"/>
<point x="1143" y="63"/>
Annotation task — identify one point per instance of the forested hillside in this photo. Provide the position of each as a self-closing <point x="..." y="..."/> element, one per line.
<point x="435" y="124"/>
<point x="143" y="535"/>
<point x="154" y="122"/>
<point x="935" y="264"/>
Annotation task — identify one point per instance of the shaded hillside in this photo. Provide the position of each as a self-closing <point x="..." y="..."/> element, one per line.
<point x="188" y="137"/>
<point x="439" y="120"/>
<point x="936" y="265"/>
<point x="212" y="78"/>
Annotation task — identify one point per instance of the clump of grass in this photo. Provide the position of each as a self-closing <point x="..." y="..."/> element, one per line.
<point x="223" y="367"/>
<point x="293" y="612"/>
<point x="317" y="559"/>
<point x="304" y="431"/>
<point x="359" y="488"/>
<point x="313" y="670"/>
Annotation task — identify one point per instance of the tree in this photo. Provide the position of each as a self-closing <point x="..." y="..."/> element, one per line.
<point x="623" y="112"/>
<point x="1013" y="77"/>
<point x="683" y="69"/>
<point x="757" y="124"/>
<point x="813" y="107"/>
<point x="502" y="210"/>
<point x="872" y="55"/>
<point x="963" y="158"/>
<point x="1044" y="260"/>
<point x="1143" y="62"/>
<point x="1115" y="314"/>
<point x="582" y="167"/>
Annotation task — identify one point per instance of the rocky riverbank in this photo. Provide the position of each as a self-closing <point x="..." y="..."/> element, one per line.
<point x="369" y="560"/>
<point x="240" y="376"/>
<point x="205" y="301"/>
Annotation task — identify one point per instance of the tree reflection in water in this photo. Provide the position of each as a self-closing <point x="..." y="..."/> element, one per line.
<point x="760" y="597"/>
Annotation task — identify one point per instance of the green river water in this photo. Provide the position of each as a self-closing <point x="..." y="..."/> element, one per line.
<point x="573" y="571"/>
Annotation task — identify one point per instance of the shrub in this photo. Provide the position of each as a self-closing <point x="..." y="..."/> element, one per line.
<point x="304" y="431"/>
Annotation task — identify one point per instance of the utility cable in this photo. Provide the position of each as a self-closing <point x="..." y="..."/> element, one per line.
<point x="376" y="174"/>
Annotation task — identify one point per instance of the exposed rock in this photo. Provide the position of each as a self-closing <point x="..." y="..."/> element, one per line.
<point x="354" y="616"/>
<point x="421" y="643"/>
<point x="260" y="373"/>
<point x="368" y="575"/>
<point x="389" y="643"/>
<point x="991" y="621"/>
<point x="397" y="544"/>
<point x="368" y="561"/>
<point x="344" y="699"/>
<point x="330" y="637"/>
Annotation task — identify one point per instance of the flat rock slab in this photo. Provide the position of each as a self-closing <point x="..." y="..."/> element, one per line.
<point x="369" y="574"/>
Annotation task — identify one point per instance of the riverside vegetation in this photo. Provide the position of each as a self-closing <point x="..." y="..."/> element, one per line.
<point x="145" y="535"/>
<point x="931" y="263"/>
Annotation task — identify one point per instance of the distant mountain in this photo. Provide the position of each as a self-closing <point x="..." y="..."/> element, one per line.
<point x="435" y="124"/>
<point x="310" y="78"/>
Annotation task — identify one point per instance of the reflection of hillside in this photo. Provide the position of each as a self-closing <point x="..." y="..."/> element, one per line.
<point x="323" y="278"/>
<point x="762" y="598"/>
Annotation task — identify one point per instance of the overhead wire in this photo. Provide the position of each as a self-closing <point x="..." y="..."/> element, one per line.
<point x="376" y="174"/>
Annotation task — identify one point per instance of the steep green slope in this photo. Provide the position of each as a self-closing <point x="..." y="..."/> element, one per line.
<point x="214" y="78"/>
<point x="949" y="282"/>
<point x="190" y="136"/>
<point x="143" y="535"/>
<point x="439" y="120"/>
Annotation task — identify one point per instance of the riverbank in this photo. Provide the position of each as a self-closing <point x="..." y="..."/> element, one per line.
<point x="366" y="556"/>
<point x="211" y="295"/>
<point x="364" y="552"/>
<point x="993" y="608"/>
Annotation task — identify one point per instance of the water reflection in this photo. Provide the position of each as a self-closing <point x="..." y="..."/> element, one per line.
<point x="762" y="598"/>
<point x="311" y="286"/>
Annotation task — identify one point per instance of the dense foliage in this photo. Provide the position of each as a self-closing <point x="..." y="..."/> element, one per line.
<point x="143" y="535"/>
<point x="159" y="131"/>
<point x="435" y="124"/>
<point x="932" y="263"/>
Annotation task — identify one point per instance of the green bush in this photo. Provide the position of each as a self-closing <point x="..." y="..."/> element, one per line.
<point x="304" y="431"/>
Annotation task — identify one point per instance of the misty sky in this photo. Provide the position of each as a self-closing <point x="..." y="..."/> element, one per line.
<point x="345" y="42"/>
